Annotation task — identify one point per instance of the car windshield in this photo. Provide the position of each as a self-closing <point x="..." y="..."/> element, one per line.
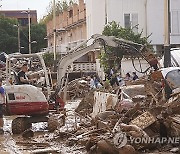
<point x="173" y="79"/>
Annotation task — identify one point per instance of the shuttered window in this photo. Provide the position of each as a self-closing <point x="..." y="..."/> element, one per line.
<point x="127" y="23"/>
<point x="135" y="23"/>
<point x="131" y="21"/>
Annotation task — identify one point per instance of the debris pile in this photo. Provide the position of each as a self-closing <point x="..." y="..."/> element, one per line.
<point x="77" y="88"/>
<point x="127" y="122"/>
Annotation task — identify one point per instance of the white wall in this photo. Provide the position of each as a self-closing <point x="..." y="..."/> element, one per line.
<point x="95" y="16"/>
<point x="155" y="21"/>
<point x="96" y="13"/>
<point x="150" y="17"/>
<point x="117" y="9"/>
<point x="127" y="67"/>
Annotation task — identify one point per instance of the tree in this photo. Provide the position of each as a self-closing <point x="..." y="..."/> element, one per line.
<point x="8" y="35"/>
<point x="113" y="57"/>
<point x="38" y="33"/>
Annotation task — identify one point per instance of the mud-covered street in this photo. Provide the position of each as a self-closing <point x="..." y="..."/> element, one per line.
<point x="42" y="141"/>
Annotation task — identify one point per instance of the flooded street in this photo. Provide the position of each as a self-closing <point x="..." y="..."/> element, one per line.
<point x="42" y="139"/>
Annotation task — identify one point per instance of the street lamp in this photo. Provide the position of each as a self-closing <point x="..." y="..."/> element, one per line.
<point x="19" y="42"/>
<point x="29" y="23"/>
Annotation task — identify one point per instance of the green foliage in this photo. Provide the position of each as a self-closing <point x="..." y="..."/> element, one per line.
<point x="113" y="56"/>
<point x="114" y="29"/>
<point x="48" y="59"/>
<point x="38" y="33"/>
<point x="60" y="7"/>
<point x="103" y="60"/>
<point x="8" y="35"/>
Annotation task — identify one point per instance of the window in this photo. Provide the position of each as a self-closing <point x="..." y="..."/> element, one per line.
<point x="175" y="25"/>
<point x="70" y="13"/>
<point x="135" y="23"/>
<point x="131" y="21"/>
<point x="127" y="21"/>
<point x="11" y="96"/>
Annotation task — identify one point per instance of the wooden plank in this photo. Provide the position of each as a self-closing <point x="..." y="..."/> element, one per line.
<point x="144" y="120"/>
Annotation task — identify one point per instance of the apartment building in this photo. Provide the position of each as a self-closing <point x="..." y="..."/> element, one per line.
<point x="73" y="23"/>
<point x="71" y="30"/>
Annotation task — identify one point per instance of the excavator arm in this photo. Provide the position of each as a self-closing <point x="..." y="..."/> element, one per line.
<point x="98" y="41"/>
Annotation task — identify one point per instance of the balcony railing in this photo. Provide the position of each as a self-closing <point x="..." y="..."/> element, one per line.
<point x="83" y="67"/>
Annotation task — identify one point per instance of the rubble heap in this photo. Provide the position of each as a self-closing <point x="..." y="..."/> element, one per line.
<point x="120" y="128"/>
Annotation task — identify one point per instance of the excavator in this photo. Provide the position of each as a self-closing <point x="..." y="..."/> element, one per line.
<point x="31" y="105"/>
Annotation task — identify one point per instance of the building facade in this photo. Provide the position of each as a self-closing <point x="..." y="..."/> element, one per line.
<point x="144" y="16"/>
<point x="73" y="23"/>
<point x="71" y="30"/>
<point x="21" y="16"/>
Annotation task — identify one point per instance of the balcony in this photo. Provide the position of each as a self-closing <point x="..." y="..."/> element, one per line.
<point x="83" y="67"/>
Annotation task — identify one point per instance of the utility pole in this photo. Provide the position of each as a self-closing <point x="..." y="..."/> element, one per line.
<point x="167" y="53"/>
<point x="54" y="33"/>
<point x="29" y="23"/>
<point x="19" y="43"/>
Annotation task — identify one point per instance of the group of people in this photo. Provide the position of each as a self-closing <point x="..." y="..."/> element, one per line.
<point x="95" y="82"/>
<point x="133" y="77"/>
<point x="115" y="78"/>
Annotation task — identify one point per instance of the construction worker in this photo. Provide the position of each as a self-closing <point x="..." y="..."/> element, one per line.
<point x="2" y="101"/>
<point x="22" y="77"/>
